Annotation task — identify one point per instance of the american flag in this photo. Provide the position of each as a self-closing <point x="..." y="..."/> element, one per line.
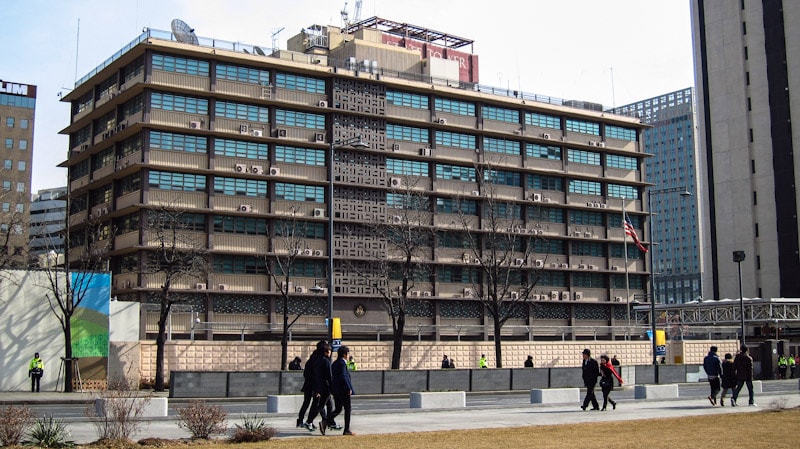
<point x="632" y="232"/>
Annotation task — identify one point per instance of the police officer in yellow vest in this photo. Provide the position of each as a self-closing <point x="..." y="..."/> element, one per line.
<point x="782" y="365"/>
<point x="35" y="372"/>
<point x="483" y="363"/>
<point x="351" y="364"/>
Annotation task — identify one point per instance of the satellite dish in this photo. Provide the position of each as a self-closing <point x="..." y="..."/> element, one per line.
<point x="259" y="51"/>
<point x="183" y="32"/>
<point x="245" y="50"/>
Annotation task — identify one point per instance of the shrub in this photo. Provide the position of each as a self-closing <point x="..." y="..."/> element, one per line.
<point x="115" y="415"/>
<point x="203" y="420"/>
<point x="253" y="429"/>
<point x="49" y="432"/>
<point x="14" y="421"/>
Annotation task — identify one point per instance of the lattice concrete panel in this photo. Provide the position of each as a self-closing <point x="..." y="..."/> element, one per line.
<point x="359" y="96"/>
<point x="371" y="130"/>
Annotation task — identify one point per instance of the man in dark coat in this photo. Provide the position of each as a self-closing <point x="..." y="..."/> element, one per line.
<point x="342" y="388"/>
<point x="713" y="367"/>
<point x="743" y="365"/>
<point x="591" y="371"/>
<point x="322" y="386"/>
<point x="308" y="388"/>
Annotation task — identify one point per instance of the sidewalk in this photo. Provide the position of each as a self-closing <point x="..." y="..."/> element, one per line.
<point x="408" y="420"/>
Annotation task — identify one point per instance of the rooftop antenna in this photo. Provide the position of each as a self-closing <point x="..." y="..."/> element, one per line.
<point x="258" y="50"/>
<point x="275" y="38"/>
<point x="183" y="32"/>
<point x="344" y="15"/>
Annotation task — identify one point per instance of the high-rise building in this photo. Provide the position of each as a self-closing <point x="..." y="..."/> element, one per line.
<point x="246" y="143"/>
<point x="48" y="221"/>
<point x="745" y="52"/>
<point x="673" y="172"/>
<point x="17" y="107"/>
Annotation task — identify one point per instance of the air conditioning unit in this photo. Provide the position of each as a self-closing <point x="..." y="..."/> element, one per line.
<point x="592" y="143"/>
<point x="476" y="193"/>
<point x="545" y="200"/>
<point x="519" y="262"/>
<point x="540" y="232"/>
<point x="603" y="206"/>
<point x="577" y="234"/>
<point x="424" y="151"/>
<point x="565" y="265"/>
<point x="397" y="219"/>
<point x="241" y="168"/>
<point x="308" y="252"/>
<point x="469" y="292"/>
<point x="601" y="144"/>
<point x="415" y="293"/>
<point x="274" y="171"/>
<point x="514" y="295"/>
<point x="476" y="261"/>
<point x="322" y="104"/>
<point x="536" y="297"/>
<point x="395" y="147"/>
<point x="194" y="124"/>
<point x="318" y="253"/>
<point x="318" y="212"/>
<point x="565" y="296"/>
<point x="518" y="132"/>
<point x="104" y="211"/>
<point x="396" y="182"/>
<point x="593" y="267"/>
<point x="257" y="169"/>
<point x="296" y="251"/>
<point x="587" y="234"/>
<point x="538" y="263"/>
<point x="615" y="268"/>
<point x="223" y="287"/>
<point x="200" y="286"/>
<point x="546" y="136"/>
<point x="300" y="289"/>
<point x="582" y="266"/>
<point x="578" y="296"/>
<point x="555" y="296"/>
<point x="280" y="133"/>
<point x="426" y="294"/>
<point x="536" y="197"/>
<point x="554" y="265"/>
<point x="245" y="208"/>
<point x="319" y="137"/>
<point x="128" y="284"/>
<point x="258" y="133"/>
<point x="243" y="129"/>
<point x="618" y="299"/>
<point x="465" y="258"/>
<point x="287" y="286"/>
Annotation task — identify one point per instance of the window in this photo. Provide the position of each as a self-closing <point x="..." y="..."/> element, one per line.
<point x="621" y="191"/>
<point x="242" y="74"/>
<point x="305" y="156"/>
<point x="455" y="173"/>
<point x="6" y="185"/>
<point x="624" y="162"/>
<point x="238" y="264"/>
<point x="409" y="133"/>
<point x="449" y="139"/>
<point x="588" y="249"/>
<point x="302" y="229"/>
<point x="10" y="122"/>
<point x="546" y="214"/>
<point x="504" y="211"/>
<point x="130" y="184"/>
<point x="634" y="281"/>
<point x="23" y="124"/>
<point x="580" y="126"/>
<point x="407" y="202"/>
<point x="22" y="165"/>
<point x="299" y="192"/>
<point x="589" y="280"/>
<point x="585" y="217"/>
<point x="407" y="99"/>
<point x="583" y="157"/>
<point x="551" y="278"/>
<point x="299" y="119"/>
<point x="543" y="120"/>
<point x="240" y="225"/>
<point x="8" y="164"/>
<point x="457" y="275"/>
<point x="542" y="151"/>
<point x="177" y="181"/>
<point x="502" y="177"/>
<point x="21" y="187"/>
<point x="179" y="103"/>
<point x="618" y="132"/>
<point x="455" y="206"/>
<point x="169" y="63"/>
<point x="9" y="143"/>
<point x="178" y="142"/>
<point x="240" y="148"/>
<point x="17" y="101"/>
<point x="501" y="146"/>
<point x="615" y="221"/>
<point x="242" y="187"/>
<point x="540" y="182"/>
<point x="301" y="83"/>
<point x="6" y="207"/>
<point x="454" y="106"/>
<point x="407" y="167"/>
<point x="617" y="250"/>
<point x="239" y="111"/>
<point x="584" y="187"/>
<point x="130" y="145"/>
<point x="500" y="114"/>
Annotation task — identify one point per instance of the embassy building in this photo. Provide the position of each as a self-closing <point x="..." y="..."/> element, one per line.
<point x="240" y="141"/>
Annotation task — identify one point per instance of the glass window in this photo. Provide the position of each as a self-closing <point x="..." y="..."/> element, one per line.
<point x="299" y="192"/>
<point x="178" y="142"/>
<point x="585" y="217"/>
<point x="409" y="133"/>
<point x="19" y="208"/>
<point x="407" y="202"/>
<point x="501" y="146"/>
<point x="449" y="139"/>
<point x="543" y="120"/>
<point x="551" y="278"/>
<point x="624" y="162"/>
<point x="302" y="83"/>
<point x="299" y="119"/>
<point x="617" y="250"/>
<point x="580" y="126"/>
<point x="504" y="210"/>
<point x="584" y="187"/>
<point x="457" y="275"/>
<point x="240" y="225"/>
<point x="8" y="164"/>
<point x="177" y="181"/>
<point x="20" y="187"/>
<point x="621" y="191"/>
<point x="6" y="207"/>
<point x="6" y="185"/>
<point x="9" y="143"/>
<point x="594" y="249"/>
<point x="242" y="74"/>
<point x="500" y="114"/>
<point x="22" y="165"/>
<point x="455" y="173"/>
<point x="23" y="124"/>
<point x="407" y="167"/>
<point x="502" y="177"/>
<point x="239" y="111"/>
<point x="294" y="155"/>
<point x="540" y="182"/>
<point x="634" y="281"/>
<point x="236" y="264"/>
<point x="170" y="63"/>
<point x="454" y="106"/>
<point x="455" y="206"/>
<point x="541" y="246"/>
<point x="589" y="280"/>
<point x="583" y="157"/>
<point x="302" y="229"/>
<point x="407" y="99"/>
<point x="241" y="187"/>
<point x="615" y="221"/>
<point x="542" y="151"/>
<point x="17" y="101"/>
<point x="179" y="103"/>
<point x="241" y="148"/>
<point x="618" y="132"/>
<point x="546" y="214"/>
<point x="10" y="122"/>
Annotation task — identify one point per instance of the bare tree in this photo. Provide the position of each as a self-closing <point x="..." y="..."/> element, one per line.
<point x="177" y="256"/>
<point x="503" y="249"/>
<point x="289" y="241"/>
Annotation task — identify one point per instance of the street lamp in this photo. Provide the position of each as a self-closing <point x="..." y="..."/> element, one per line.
<point x="353" y="142"/>
<point x="738" y="257"/>
<point x="650" y="193"/>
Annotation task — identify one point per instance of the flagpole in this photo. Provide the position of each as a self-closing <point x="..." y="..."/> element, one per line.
<point x="627" y="281"/>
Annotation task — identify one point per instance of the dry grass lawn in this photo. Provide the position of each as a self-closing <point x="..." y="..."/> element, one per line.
<point x="762" y="429"/>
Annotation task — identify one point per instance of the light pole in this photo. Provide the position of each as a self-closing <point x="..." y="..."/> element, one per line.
<point x="738" y="257"/>
<point x="353" y="142"/>
<point x="650" y="193"/>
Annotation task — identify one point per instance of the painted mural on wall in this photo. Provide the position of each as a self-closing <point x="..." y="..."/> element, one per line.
<point x="90" y="321"/>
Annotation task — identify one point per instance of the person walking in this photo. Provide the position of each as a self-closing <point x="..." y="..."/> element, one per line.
<point x="617" y="366"/>
<point x="782" y="365"/>
<point x="529" y="362"/>
<point x="445" y="362"/>
<point x="322" y="386"/>
<point x="590" y="373"/>
<point x="35" y="372"/>
<point x="308" y="388"/>
<point x="743" y="365"/>
<point x="713" y="367"/>
<point x="296" y="365"/>
<point x="608" y="374"/>
<point x="728" y="378"/>
<point x="482" y="362"/>
<point x="792" y="365"/>
<point x="342" y="388"/>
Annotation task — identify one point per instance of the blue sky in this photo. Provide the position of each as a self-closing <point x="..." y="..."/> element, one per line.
<point x="564" y="48"/>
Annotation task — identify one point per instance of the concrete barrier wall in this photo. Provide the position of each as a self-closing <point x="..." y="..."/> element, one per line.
<point x="449" y="379"/>
<point x="528" y="378"/>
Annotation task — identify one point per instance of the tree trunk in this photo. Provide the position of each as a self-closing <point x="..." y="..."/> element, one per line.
<point x="285" y="337"/>
<point x="498" y="350"/>
<point x="161" y="341"/>
<point x="397" y="346"/>
<point x="68" y="370"/>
